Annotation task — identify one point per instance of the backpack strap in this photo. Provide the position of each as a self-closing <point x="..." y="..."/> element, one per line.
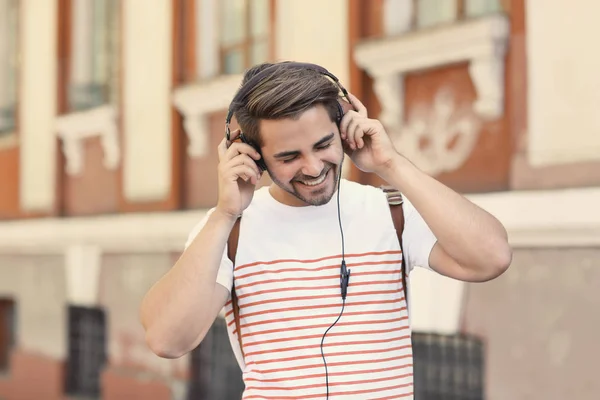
<point x="232" y="244"/>
<point x="395" y="201"/>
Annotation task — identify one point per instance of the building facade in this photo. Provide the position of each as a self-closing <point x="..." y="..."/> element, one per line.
<point x="110" y="115"/>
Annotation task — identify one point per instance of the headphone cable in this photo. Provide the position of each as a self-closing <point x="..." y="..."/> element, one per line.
<point x="343" y="272"/>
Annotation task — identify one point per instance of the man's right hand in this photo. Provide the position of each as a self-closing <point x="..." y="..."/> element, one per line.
<point x="238" y="176"/>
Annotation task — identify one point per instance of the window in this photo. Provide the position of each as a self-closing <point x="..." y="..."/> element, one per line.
<point x="94" y="38"/>
<point x="7" y="332"/>
<point x="448" y="367"/>
<point x="428" y="13"/>
<point x="244" y="34"/>
<point x="215" y="371"/>
<point x="9" y="60"/>
<point x="86" y="351"/>
<point x="223" y="37"/>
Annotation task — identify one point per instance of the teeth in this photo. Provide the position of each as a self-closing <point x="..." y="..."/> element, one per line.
<point x="315" y="182"/>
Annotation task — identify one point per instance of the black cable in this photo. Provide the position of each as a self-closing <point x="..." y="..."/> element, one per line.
<point x="345" y="274"/>
<point x="323" y="340"/>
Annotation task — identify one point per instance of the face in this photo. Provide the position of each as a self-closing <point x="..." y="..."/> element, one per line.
<point x="303" y="156"/>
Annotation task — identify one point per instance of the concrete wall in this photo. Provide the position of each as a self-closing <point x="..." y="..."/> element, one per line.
<point x="541" y="325"/>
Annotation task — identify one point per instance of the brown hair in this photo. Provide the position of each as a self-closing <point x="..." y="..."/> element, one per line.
<point x="286" y="92"/>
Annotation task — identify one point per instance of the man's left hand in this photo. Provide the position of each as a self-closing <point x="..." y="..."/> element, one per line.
<point x="365" y="140"/>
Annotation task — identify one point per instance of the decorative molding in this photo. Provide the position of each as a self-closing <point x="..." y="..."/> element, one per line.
<point x="195" y="102"/>
<point x="439" y="137"/>
<point x="73" y="128"/>
<point x="480" y="41"/>
<point x="525" y="214"/>
<point x="120" y="233"/>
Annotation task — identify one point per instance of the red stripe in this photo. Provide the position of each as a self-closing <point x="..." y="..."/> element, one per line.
<point x="316" y="288"/>
<point x="320" y="335"/>
<point x="332" y="394"/>
<point x="280" y="261"/>
<point x="314" y="316"/>
<point x="322" y="268"/>
<point x="333" y="364"/>
<point x="333" y="384"/>
<point x="313" y="278"/>
<point x="326" y="325"/>
<point x="328" y="345"/>
<point x="318" y="297"/>
<point x="343" y="353"/>
<point x="321" y="306"/>
<point x="331" y="374"/>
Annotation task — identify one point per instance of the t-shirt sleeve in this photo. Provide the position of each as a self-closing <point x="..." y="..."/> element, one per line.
<point x="417" y="238"/>
<point x="225" y="274"/>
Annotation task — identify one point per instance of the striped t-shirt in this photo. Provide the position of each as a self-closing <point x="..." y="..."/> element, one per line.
<point x="287" y="280"/>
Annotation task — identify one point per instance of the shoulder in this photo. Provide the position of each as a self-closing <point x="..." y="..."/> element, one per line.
<point x="361" y="192"/>
<point x="365" y="199"/>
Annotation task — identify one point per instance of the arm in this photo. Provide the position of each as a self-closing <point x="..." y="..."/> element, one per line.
<point x="471" y="244"/>
<point x="180" y="308"/>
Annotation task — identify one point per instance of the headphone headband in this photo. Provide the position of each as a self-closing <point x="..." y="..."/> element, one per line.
<point x="252" y="82"/>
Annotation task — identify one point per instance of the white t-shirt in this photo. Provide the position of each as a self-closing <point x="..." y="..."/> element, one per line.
<point x="287" y="280"/>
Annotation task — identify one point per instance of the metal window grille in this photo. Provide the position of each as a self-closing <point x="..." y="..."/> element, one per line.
<point x="215" y="371"/>
<point x="87" y="351"/>
<point x="7" y="331"/>
<point x="448" y="367"/>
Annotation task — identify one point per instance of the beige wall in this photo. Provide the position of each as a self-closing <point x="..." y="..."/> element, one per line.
<point x="564" y="84"/>
<point x="540" y="324"/>
<point x="321" y="37"/>
<point x="37" y="285"/>
<point x="124" y="281"/>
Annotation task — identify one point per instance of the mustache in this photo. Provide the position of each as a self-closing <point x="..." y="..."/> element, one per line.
<point x="303" y="177"/>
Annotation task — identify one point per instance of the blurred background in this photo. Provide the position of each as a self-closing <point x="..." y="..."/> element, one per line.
<point x="110" y="114"/>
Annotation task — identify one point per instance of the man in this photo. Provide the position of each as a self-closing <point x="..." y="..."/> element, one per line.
<point x="295" y="330"/>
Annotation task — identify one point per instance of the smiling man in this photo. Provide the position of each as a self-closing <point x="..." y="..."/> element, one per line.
<point x="313" y="286"/>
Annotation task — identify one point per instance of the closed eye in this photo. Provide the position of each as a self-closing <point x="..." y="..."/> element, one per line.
<point x="294" y="157"/>
<point x="289" y="160"/>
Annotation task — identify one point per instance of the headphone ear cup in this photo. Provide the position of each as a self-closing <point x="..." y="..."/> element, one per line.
<point x="259" y="163"/>
<point x="340" y="113"/>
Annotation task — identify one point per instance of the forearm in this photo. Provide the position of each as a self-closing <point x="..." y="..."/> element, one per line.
<point x="470" y="235"/>
<point x="177" y="309"/>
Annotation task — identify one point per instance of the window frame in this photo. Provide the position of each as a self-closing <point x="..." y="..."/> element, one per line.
<point x="8" y="136"/>
<point x="66" y="35"/>
<point x="460" y="14"/>
<point x="188" y="41"/>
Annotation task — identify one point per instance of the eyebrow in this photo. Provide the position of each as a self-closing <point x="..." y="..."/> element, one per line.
<point x="321" y="142"/>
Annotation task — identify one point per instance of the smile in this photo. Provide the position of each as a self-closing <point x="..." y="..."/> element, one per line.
<point x="315" y="182"/>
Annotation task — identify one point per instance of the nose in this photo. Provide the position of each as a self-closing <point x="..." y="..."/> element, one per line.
<point x="313" y="166"/>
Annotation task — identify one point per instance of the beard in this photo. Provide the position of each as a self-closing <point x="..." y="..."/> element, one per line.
<point x="316" y="197"/>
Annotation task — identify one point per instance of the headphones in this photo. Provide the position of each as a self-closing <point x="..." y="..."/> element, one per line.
<point x="237" y="102"/>
<point x="246" y="89"/>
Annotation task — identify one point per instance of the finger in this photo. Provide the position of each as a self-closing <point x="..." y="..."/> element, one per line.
<point x="238" y="148"/>
<point x="358" y="106"/>
<point x="222" y="148"/>
<point x="345" y="122"/>
<point x="356" y="134"/>
<point x="244" y="172"/>
<point x="350" y="132"/>
<point x="242" y="159"/>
